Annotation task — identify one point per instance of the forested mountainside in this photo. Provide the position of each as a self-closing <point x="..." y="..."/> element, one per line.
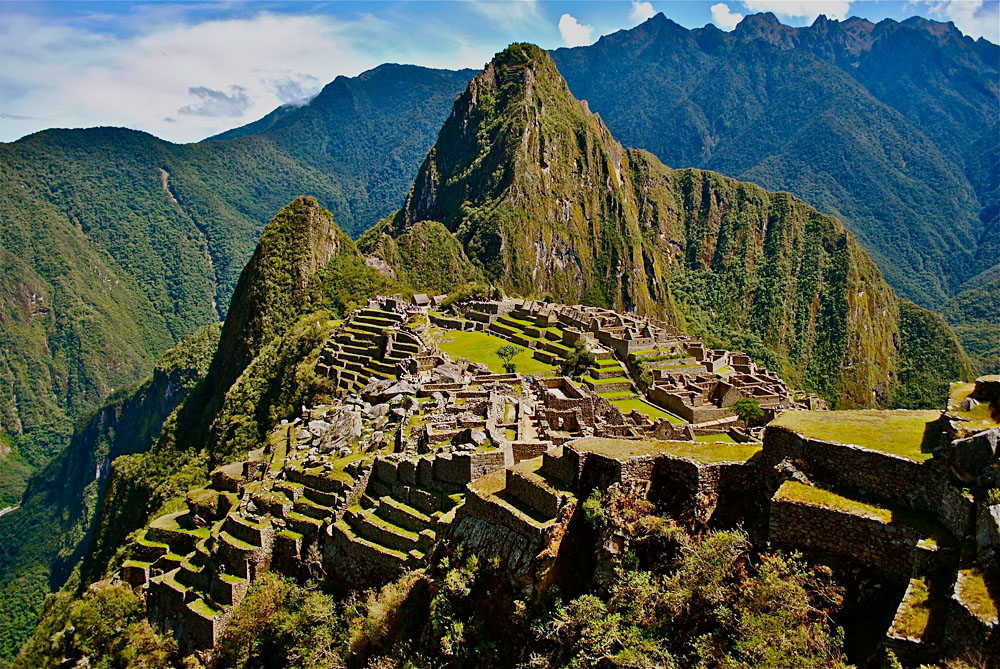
<point x="890" y="127"/>
<point x="974" y="314"/>
<point x="116" y="244"/>
<point x="44" y="539"/>
<point x="539" y="195"/>
<point x="120" y="467"/>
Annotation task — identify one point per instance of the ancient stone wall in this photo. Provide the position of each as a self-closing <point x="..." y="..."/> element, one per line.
<point x="883" y="547"/>
<point x="883" y="477"/>
<point x="967" y="637"/>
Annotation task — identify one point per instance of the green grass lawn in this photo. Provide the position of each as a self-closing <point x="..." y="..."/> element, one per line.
<point x="720" y="437"/>
<point x="975" y="593"/>
<point x="707" y="453"/>
<point x="482" y="347"/>
<point x="912" y="622"/>
<point x="606" y="382"/>
<point x="794" y="491"/>
<point x="647" y="409"/>
<point x="898" y="432"/>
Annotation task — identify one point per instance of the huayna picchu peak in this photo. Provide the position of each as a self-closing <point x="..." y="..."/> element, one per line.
<point x="627" y="377"/>
<point x="542" y="198"/>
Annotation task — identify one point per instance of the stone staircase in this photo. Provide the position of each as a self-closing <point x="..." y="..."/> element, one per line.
<point x="369" y="344"/>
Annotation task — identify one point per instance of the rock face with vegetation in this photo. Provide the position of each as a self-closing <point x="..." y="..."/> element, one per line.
<point x="44" y="539"/>
<point x="543" y="199"/>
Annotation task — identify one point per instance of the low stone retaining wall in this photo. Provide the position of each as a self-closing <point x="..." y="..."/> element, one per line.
<point x="967" y="637"/>
<point x="882" y="547"/>
<point x="883" y="477"/>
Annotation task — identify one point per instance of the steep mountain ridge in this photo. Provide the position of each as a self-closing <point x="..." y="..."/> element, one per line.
<point x="43" y="540"/>
<point x="547" y="203"/>
<point x="895" y="146"/>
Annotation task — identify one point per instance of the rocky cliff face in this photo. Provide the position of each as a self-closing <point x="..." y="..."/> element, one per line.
<point x="547" y="203"/>
<point x="275" y="285"/>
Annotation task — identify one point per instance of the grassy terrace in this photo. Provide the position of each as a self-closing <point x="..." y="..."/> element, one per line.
<point x="975" y="593"/>
<point x="900" y="432"/>
<point x="647" y="409"/>
<point x="482" y="347"/>
<point x="912" y="621"/>
<point x="720" y="437"/>
<point x="793" y="491"/>
<point x="981" y="416"/>
<point x="606" y="382"/>
<point x="704" y="453"/>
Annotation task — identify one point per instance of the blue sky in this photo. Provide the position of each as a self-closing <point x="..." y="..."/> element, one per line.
<point x="184" y="71"/>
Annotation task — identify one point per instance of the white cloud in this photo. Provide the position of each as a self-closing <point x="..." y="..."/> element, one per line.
<point x="183" y="81"/>
<point x="641" y="11"/>
<point x="725" y="18"/>
<point x="573" y="32"/>
<point x="801" y="9"/>
<point x="975" y="18"/>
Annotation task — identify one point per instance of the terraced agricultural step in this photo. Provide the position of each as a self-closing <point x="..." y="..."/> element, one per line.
<point x="228" y="589"/>
<point x="406" y="347"/>
<point x="304" y="525"/>
<point x="322" y="498"/>
<point x="403" y="515"/>
<point x="380" y="531"/>
<point x="374" y="329"/>
<point x="308" y="507"/>
<point x="361" y="548"/>
<point x="147" y="550"/>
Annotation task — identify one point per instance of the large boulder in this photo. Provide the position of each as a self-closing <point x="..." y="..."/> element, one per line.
<point x="447" y="373"/>
<point x="471" y="437"/>
<point x="974" y="459"/>
<point x="342" y="427"/>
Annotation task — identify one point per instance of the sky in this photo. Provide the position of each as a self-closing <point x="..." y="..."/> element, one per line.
<point x="185" y="71"/>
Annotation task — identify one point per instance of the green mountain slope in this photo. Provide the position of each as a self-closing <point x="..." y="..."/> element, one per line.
<point x="893" y="145"/>
<point x="116" y="244"/>
<point x="547" y="203"/>
<point x="975" y="315"/>
<point x="137" y="453"/>
<point x="42" y="541"/>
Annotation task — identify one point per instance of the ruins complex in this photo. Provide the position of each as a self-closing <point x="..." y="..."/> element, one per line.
<point x="423" y="450"/>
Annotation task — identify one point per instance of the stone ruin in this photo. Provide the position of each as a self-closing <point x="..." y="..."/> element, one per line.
<point x="408" y="464"/>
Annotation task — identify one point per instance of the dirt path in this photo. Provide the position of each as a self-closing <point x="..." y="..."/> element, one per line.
<point x="5" y="511"/>
<point x="164" y="175"/>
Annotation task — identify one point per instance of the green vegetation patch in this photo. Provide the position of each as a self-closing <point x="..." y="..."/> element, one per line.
<point x="975" y="593"/>
<point x="903" y="433"/>
<point x="793" y="491"/>
<point x="912" y="620"/>
<point x="645" y="408"/>
<point x="606" y="382"/>
<point x="482" y="347"/>
<point x="719" y="437"/>
<point x="704" y="453"/>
